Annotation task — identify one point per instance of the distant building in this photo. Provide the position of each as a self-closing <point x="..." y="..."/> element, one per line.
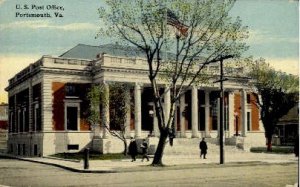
<point x="48" y="104"/>
<point x="3" y="126"/>
<point x="3" y="116"/>
<point x="287" y="129"/>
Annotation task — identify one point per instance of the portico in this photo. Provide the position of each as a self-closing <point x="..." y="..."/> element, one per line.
<point x="196" y="113"/>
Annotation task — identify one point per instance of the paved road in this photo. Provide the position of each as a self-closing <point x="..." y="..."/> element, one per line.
<point x="22" y="173"/>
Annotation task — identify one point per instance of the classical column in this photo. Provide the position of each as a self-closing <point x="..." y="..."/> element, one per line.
<point x="194" y="112"/>
<point x="181" y="116"/>
<point x="244" y="112"/>
<point x="128" y="116"/>
<point x="105" y="112"/>
<point x="207" y="111"/>
<point x="231" y="116"/>
<point x="137" y="110"/>
<point x="167" y="103"/>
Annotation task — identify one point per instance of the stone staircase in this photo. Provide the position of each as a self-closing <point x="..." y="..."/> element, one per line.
<point x="189" y="147"/>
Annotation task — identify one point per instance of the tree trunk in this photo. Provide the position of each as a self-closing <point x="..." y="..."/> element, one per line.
<point x="125" y="147"/>
<point x="157" y="161"/>
<point x="269" y="143"/>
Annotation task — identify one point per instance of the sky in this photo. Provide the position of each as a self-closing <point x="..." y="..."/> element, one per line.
<point x="273" y="27"/>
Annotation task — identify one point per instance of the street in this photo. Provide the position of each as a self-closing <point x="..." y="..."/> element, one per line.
<point x="22" y="173"/>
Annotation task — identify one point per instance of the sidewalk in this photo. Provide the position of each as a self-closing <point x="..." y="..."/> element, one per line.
<point x="176" y="161"/>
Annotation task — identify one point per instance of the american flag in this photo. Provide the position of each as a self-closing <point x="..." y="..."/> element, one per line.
<point x="173" y="20"/>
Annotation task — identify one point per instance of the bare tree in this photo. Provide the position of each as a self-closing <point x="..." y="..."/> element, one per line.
<point x="179" y="38"/>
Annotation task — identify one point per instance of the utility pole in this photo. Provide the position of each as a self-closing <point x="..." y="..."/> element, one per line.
<point x="221" y="113"/>
<point x="221" y="134"/>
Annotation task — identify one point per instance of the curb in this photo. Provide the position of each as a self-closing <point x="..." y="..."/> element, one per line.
<point x="146" y="168"/>
<point x="59" y="165"/>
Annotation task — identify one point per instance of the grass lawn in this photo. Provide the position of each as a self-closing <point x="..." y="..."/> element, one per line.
<point x="93" y="156"/>
<point x="275" y="150"/>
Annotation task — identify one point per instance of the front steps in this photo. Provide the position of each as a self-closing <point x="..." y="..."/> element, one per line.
<point x="190" y="146"/>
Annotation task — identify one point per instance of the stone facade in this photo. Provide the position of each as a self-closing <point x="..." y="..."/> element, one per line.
<point x="48" y="104"/>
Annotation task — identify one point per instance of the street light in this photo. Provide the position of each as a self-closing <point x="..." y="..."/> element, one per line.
<point x="222" y="104"/>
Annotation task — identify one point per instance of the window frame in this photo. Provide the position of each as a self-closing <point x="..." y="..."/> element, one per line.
<point x="72" y="103"/>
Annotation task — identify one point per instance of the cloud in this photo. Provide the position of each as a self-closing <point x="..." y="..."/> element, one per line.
<point x="261" y="37"/>
<point x="9" y="66"/>
<point x="2" y="1"/>
<point x="38" y="24"/>
<point x="288" y="65"/>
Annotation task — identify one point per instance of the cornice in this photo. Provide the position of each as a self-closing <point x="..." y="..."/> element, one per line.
<point x="123" y="70"/>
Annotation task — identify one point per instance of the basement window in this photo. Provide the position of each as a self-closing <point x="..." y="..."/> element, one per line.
<point x="73" y="147"/>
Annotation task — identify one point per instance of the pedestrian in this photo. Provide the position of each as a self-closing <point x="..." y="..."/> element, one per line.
<point x="132" y="150"/>
<point x="203" y="148"/>
<point x="144" y="147"/>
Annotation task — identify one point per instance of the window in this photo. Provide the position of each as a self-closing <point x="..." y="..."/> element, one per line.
<point x="73" y="147"/>
<point x="214" y="109"/>
<point x="248" y="98"/>
<point x="214" y="115"/>
<point x="72" y="118"/>
<point x="72" y="114"/>
<point x="71" y="90"/>
<point x="248" y="121"/>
